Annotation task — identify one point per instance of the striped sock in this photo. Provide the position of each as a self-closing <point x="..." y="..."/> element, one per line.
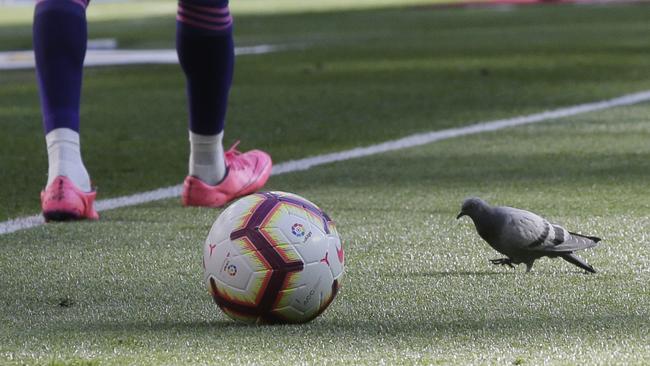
<point x="208" y="16"/>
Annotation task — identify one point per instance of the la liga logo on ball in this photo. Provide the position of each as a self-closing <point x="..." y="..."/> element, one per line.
<point x="231" y="269"/>
<point x="298" y="230"/>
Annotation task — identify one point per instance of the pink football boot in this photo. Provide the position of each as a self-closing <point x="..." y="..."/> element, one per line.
<point x="246" y="173"/>
<point x="62" y="201"/>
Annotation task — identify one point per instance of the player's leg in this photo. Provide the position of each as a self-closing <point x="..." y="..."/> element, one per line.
<point x="60" y="35"/>
<point x="205" y="48"/>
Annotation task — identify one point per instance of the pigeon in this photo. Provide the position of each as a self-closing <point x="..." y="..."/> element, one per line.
<point x="523" y="236"/>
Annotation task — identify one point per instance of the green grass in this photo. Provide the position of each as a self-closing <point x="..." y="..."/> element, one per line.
<point x="418" y="287"/>
<point x="430" y="69"/>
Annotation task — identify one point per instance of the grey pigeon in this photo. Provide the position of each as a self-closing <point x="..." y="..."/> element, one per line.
<point x="523" y="236"/>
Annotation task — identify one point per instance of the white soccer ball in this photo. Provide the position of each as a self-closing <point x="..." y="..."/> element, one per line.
<point x="273" y="257"/>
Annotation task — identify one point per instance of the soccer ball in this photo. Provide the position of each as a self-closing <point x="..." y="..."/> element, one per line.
<point x="273" y="257"/>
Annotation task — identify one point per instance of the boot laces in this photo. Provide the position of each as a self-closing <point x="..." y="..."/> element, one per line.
<point x="232" y="157"/>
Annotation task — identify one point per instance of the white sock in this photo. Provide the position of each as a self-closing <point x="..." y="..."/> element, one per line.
<point x="64" y="158"/>
<point x="206" y="157"/>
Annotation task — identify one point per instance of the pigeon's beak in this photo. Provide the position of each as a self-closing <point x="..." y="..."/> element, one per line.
<point x="461" y="214"/>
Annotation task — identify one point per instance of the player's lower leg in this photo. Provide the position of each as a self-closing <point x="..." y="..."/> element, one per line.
<point x="205" y="49"/>
<point x="60" y="35"/>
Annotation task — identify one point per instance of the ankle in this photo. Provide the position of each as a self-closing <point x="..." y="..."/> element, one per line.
<point x="207" y="158"/>
<point x="64" y="158"/>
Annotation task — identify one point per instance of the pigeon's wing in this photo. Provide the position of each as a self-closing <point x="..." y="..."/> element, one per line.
<point x="527" y="231"/>
<point x="561" y="240"/>
<point x="522" y="229"/>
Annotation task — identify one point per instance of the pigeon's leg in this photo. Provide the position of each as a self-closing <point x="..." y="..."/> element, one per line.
<point x="529" y="266"/>
<point x="503" y="262"/>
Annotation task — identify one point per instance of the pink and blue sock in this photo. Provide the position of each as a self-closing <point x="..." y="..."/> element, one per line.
<point x="205" y="49"/>
<point x="59" y="36"/>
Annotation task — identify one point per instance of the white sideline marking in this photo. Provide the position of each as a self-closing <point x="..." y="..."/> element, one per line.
<point x="399" y="144"/>
<point x="16" y="60"/>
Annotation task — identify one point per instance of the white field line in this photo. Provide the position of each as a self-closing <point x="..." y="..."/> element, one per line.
<point x="392" y="145"/>
<point x="16" y="60"/>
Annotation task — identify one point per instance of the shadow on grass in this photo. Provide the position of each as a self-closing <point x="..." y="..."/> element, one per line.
<point x="484" y="169"/>
<point x="620" y="324"/>
<point x="505" y="272"/>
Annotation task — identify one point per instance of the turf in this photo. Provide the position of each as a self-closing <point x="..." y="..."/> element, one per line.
<point x="418" y="285"/>
<point x="351" y="85"/>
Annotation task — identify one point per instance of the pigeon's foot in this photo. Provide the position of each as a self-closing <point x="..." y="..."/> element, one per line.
<point x="503" y="262"/>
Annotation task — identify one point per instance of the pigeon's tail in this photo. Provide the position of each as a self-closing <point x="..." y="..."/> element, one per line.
<point x="594" y="238"/>
<point x="575" y="260"/>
